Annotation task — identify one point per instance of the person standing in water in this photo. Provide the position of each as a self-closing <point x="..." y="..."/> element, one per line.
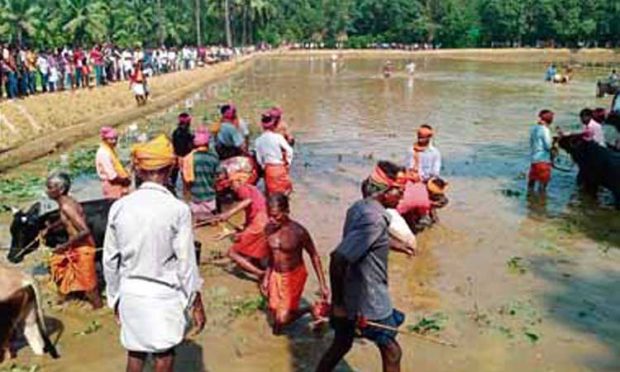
<point x="540" y="152"/>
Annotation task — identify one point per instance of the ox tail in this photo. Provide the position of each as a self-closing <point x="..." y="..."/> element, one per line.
<point x="48" y="346"/>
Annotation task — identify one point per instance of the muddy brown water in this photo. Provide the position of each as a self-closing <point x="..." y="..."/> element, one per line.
<point x="519" y="283"/>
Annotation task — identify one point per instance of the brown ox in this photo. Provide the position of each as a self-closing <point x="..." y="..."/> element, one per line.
<point x="20" y="305"/>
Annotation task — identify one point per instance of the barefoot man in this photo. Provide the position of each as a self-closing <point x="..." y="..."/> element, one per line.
<point x="72" y="264"/>
<point x="287" y="273"/>
<point x="149" y="263"/>
<point x="250" y="247"/>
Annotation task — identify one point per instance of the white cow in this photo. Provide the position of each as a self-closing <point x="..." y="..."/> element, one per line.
<point x="19" y="304"/>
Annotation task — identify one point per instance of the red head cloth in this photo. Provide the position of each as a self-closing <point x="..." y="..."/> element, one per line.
<point x="201" y="137"/>
<point x="425" y="132"/>
<point x="268" y="122"/>
<point x="380" y="179"/>
<point x="276" y="113"/>
<point x="108" y="133"/>
<point x="185" y="119"/>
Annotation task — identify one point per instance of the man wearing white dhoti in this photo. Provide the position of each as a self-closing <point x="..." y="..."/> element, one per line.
<point x="150" y="265"/>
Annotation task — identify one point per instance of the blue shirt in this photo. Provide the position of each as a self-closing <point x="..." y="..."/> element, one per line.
<point x="540" y="144"/>
<point x="229" y="136"/>
<point x="365" y="246"/>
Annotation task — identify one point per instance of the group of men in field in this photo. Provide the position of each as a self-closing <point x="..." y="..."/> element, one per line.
<point x="150" y="267"/>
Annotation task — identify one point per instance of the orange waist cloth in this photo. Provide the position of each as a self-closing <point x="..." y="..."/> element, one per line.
<point x="253" y="240"/>
<point x="540" y="172"/>
<point x="285" y="289"/>
<point x="74" y="270"/>
<point x="277" y="179"/>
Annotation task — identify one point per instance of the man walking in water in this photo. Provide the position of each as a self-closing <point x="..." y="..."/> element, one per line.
<point x="150" y="264"/>
<point x="540" y="152"/>
<point x="286" y="276"/>
<point x="358" y="271"/>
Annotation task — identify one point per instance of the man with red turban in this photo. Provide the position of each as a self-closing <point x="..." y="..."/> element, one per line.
<point x="274" y="154"/>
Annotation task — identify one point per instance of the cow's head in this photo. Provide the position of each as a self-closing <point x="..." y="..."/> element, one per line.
<point x="24" y="230"/>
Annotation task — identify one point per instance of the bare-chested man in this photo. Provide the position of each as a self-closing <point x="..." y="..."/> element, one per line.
<point x="286" y="276"/>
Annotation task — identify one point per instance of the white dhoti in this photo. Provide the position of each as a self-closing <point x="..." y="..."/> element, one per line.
<point x="138" y="89"/>
<point x="152" y="323"/>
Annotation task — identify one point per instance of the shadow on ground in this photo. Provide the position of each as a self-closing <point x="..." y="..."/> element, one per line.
<point x="589" y="304"/>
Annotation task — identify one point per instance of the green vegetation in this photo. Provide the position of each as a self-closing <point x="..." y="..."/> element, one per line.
<point x="450" y="23"/>
<point x="429" y="324"/>
<point x="92" y="327"/>
<point x="18" y="368"/>
<point x="515" y="265"/>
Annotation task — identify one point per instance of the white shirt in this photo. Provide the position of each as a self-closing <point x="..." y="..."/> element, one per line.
<point x="594" y="132"/>
<point x="149" y="246"/>
<point x="269" y="148"/>
<point x="43" y="65"/>
<point x="430" y="162"/>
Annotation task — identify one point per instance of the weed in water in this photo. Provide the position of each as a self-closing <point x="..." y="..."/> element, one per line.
<point x="93" y="327"/>
<point x="515" y="265"/>
<point x="429" y="324"/>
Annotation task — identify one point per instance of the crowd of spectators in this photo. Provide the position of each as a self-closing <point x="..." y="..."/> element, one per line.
<point x="25" y="71"/>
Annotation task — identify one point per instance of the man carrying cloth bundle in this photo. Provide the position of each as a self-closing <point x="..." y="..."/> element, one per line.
<point x="359" y="271"/>
<point x="286" y="277"/>
<point x="114" y="178"/>
<point x="150" y="265"/>
<point x="250" y="247"/>
<point x="201" y="168"/>
<point x="274" y="155"/>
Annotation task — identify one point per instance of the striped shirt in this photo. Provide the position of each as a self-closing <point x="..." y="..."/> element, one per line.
<point x="206" y="169"/>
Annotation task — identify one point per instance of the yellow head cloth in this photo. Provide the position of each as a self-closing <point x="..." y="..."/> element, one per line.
<point x="155" y="154"/>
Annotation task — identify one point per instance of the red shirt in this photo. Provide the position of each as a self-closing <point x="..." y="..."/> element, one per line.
<point x="97" y="57"/>
<point x="258" y="205"/>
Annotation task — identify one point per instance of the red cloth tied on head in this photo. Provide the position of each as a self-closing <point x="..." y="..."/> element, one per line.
<point x="425" y="132"/>
<point x="379" y="178"/>
<point x="268" y="121"/>
<point x="108" y="133"/>
<point x="275" y="112"/>
<point x="185" y="119"/>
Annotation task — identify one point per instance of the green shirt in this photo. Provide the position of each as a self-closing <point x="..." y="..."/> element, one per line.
<point x="206" y="169"/>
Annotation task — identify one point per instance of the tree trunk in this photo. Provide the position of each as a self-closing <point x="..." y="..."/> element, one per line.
<point x="244" y="36"/>
<point x="160" y="24"/>
<point x="227" y="20"/>
<point x="198" y="32"/>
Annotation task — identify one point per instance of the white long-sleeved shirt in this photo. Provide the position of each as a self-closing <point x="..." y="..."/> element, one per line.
<point x="149" y="246"/>
<point x="430" y="162"/>
<point x="270" y="147"/>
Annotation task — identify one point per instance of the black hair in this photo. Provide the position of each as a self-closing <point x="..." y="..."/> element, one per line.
<point x="544" y="112"/>
<point x="280" y="201"/>
<point x="224" y="108"/>
<point x="586" y="112"/>
<point x="390" y="169"/>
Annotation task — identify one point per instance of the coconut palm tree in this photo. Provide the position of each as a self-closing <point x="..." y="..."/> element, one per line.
<point x="86" y="20"/>
<point x="16" y="18"/>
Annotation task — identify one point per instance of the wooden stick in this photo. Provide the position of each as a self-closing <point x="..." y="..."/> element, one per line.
<point x="414" y="334"/>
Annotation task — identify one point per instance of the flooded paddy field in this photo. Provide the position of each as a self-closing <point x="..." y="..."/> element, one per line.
<point x="518" y="282"/>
